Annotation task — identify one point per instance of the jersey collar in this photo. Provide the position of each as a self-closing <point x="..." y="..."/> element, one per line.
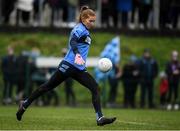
<point x="84" y="26"/>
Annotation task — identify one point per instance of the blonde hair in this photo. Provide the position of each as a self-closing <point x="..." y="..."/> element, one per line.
<point x="85" y="12"/>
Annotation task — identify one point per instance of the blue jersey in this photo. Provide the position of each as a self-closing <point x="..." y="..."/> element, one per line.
<point x="79" y="42"/>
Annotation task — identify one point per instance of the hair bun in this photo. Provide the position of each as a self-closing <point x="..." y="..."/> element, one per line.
<point x="85" y="7"/>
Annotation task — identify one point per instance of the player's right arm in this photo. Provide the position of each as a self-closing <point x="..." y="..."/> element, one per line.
<point x="73" y="42"/>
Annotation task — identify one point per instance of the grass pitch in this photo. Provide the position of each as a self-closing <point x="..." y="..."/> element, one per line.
<point x="65" y="118"/>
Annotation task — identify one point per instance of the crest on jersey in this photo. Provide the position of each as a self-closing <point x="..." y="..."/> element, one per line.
<point x="88" y="40"/>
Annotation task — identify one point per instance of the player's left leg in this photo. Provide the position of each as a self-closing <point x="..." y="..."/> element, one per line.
<point x="54" y="81"/>
<point x="88" y="81"/>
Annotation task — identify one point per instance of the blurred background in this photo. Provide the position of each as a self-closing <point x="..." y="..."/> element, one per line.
<point x="131" y="14"/>
<point x="141" y="37"/>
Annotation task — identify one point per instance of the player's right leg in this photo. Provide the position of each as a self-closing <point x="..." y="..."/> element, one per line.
<point x="89" y="82"/>
<point x="54" y="81"/>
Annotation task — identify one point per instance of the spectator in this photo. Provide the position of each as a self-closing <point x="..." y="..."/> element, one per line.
<point x="101" y="79"/>
<point x="68" y="83"/>
<point x="9" y="75"/>
<point x="113" y="76"/>
<point x="144" y="11"/>
<point x="148" y="72"/>
<point x="173" y="74"/>
<point x="175" y="12"/>
<point x="38" y="8"/>
<point x="39" y="77"/>
<point x="114" y="47"/>
<point x="135" y="7"/>
<point x="31" y="69"/>
<point x="70" y="95"/>
<point x="56" y="7"/>
<point x="130" y="79"/>
<point x="55" y="11"/>
<point x="24" y="8"/>
<point x="72" y="11"/>
<point x="52" y="96"/>
<point x="7" y="7"/>
<point x="163" y="88"/>
<point x="22" y="61"/>
<point x="64" y="8"/>
<point x="164" y="13"/>
<point x="113" y="79"/>
<point x="105" y="13"/>
<point x="124" y="6"/>
<point x="113" y="12"/>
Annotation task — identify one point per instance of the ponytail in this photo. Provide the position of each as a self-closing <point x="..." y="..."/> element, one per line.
<point x="85" y="12"/>
<point x="85" y="7"/>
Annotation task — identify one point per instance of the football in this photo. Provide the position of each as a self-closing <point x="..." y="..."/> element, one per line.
<point x="104" y="64"/>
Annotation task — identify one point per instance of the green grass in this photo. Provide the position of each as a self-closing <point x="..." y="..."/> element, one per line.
<point x="64" y="118"/>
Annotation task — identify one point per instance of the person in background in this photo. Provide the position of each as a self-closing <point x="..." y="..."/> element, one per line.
<point x="8" y="68"/>
<point x="68" y="84"/>
<point x="24" y="8"/>
<point x="124" y="6"/>
<point x="174" y="13"/>
<point x="55" y="11"/>
<point x="113" y="79"/>
<point x="21" y="62"/>
<point x="52" y="96"/>
<point x="37" y="76"/>
<point x="113" y="12"/>
<point x="173" y="75"/>
<point x="135" y="7"/>
<point x="164" y="17"/>
<point x="148" y="72"/>
<point x="72" y="6"/>
<point x="130" y="79"/>
<point x="112" y="51"/>
<point x="105" y="13"/>
<point x="65" y="11"/>
<point x="7" y="7"/>
<point x="163" y="89"/>
<point x="145" y="7"/>
<point x="38" y="9"/>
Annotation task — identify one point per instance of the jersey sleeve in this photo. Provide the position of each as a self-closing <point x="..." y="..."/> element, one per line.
<point x="73" y="43"/>
<point x="78" y="36"/>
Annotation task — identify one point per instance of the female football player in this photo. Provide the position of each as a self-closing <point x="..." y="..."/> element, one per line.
<point x="73" y="65"/>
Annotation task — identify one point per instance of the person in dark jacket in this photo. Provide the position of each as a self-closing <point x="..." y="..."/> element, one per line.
<point x="173" y="74"/>
<point x="8" y="70"/>
<point x="148" y="72"/>
<point x="7" y="8"/>
<point x="130" y="79"/>
<point x="105" y="13"/>
<point x="56" y="6"/>
<point x="124" y="7"/>
<point x="135" y="7"/>
<point x="164" y="13"/>
<point x="68" y="84"/>
<point x="175" y="12"/>
<point x="145" y="7"/>
<point x="21" y="75"/>
<point x="113" y="79"/>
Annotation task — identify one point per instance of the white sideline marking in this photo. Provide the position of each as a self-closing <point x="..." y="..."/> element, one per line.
<point x="141" y="123"/>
